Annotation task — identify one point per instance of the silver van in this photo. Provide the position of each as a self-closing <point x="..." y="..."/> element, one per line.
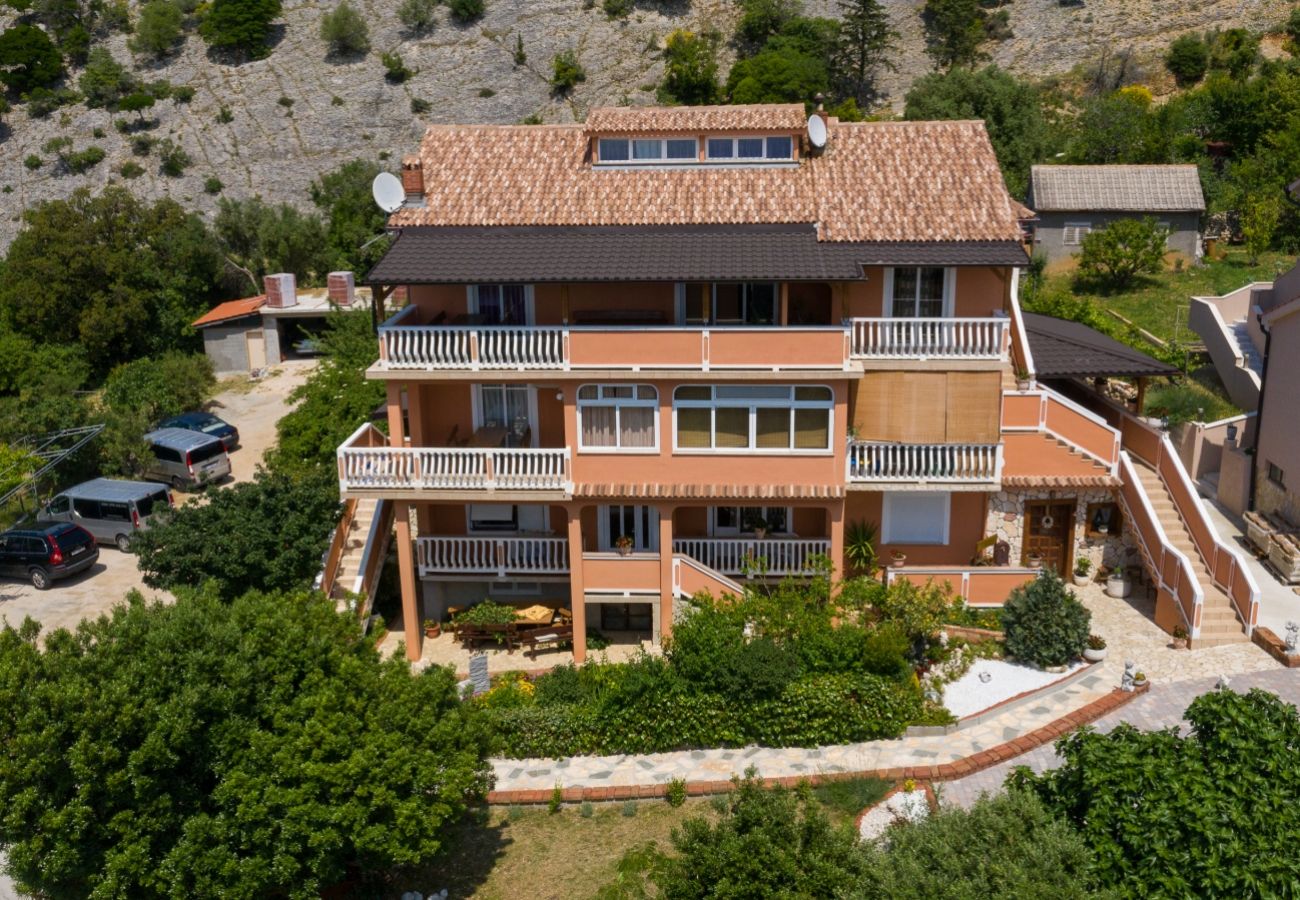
<point x="185" y="458"/>
<point x="110" y="509"/>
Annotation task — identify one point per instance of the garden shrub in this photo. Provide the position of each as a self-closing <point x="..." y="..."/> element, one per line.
<point x="566" y="72"/>
<point x="1045" y="624"/>
<point x="1117" y="254"/>
<point x="465" y="10"/>
<point x="28" y="59"/>
<point x="487" y="613"/>
<point x="345" y="30"/>
<point x="917" y="610"/>
<point x="971" y="617"/>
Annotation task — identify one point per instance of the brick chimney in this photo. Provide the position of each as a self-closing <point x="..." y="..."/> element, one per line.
<point x="413" y="178"/>
<point x="281" y="290"/>
<point x="342" y="288"/>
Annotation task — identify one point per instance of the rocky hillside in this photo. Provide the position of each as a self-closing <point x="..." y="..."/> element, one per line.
<point x="299" y="112"/>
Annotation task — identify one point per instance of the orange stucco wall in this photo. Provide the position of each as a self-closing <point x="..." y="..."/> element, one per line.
<point x="965" y="528"/>
<point x="611" y="572"/>
<point x="979" y="291"/>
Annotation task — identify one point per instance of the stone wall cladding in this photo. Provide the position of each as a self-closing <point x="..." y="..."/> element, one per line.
<point x="1272" y="498"/>
<point x="1006" y="519"/>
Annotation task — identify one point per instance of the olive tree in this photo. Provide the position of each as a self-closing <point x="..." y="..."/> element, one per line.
<point x="1122" y="250"/>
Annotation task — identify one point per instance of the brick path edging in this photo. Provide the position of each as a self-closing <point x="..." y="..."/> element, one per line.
<point x="946" y="772"/>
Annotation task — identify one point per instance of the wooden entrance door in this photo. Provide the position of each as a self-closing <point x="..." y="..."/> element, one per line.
<point x="1049" y="532"/>
<point x="256" y="349"/>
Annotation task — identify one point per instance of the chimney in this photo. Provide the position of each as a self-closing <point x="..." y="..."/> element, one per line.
<point x="413" y="179"/>
<point x="342" y="288"/>
<point x="281" y="290"/>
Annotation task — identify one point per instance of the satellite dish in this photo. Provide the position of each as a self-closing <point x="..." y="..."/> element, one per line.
<point x="817" y="131"/>
<point x="388" y="192"/>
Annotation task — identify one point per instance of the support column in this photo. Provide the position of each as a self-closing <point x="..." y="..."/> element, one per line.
<point x="835" y="519"/>
<point x="1142" y="395"/>
<point x="665" y="573"/>
<point x="411" y="626"/>
<point x="577" y="591"/>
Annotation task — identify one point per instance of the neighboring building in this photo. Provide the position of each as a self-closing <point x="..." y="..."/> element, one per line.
<point x="1277" y="443"/>
<point x="256" y="332"/>
<point x="692" y="329"/>
<point x="1071" y="201"/>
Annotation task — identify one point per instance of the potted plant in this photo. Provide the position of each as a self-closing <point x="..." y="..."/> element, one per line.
<point x="1117" y="585"/>
<point x="898" y="558"/>
<point x="431" y="628"/>
<point x="758" y="525"/>
<point x="1022" y="379"/>
<point x="1035" y="560"/>
<point x="1180" y="637"/>
<point x="623" y="544"/>
<point x="1140" y="680"/>
<point x="1082" y="569"/>
<point x="1095" y="651"/>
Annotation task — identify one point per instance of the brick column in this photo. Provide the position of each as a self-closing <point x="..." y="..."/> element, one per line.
<point x="665" y="572"/>
<point x="577" y="592"/>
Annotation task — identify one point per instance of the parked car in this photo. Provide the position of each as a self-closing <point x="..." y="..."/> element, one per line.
<point x="186" y="458"/>
<point x="110" y="509"/>
<point x="205" y="423"/>
<point x="43" y="554"/>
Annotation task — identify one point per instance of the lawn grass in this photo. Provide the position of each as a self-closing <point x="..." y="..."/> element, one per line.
<point x="529" y="853"/>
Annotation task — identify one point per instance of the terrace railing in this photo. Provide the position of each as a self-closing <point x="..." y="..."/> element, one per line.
<point x="871" y="462"/>
<point x="929" y="338"/>
<point x="775" y="556"/>
<point x="499" y="556"/>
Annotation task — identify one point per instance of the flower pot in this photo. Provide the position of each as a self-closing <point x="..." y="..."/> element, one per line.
<point x="433" y="631"/>
<point x="624" y="551"/>
<point x="898" y="559"/>
<point x="1092" y="655"/>
<point x="760" y="533"/>
<point x="1081" y="580"/>
<point x="1035" y="561"/>
<point x="1180" y="643"/>
<point x="1118" y="586"/>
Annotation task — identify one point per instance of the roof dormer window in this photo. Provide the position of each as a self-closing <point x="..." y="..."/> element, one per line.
<point x="640" y="151"/>
<point x="749" y="149"/>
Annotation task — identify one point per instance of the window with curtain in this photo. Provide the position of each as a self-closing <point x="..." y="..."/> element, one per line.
<point x="728" y="303"/>
<point x="919" y="292"/>
<point x="753" y="417"/>
<point x="502" y="304"/>
<point x="618" y="417"/>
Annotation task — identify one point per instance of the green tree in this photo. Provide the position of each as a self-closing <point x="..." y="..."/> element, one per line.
<point x="1119" y="127"/>
<point x="791" y="67"/>
<point x="762" y="19"/>
<point x="121" y="278"/>
<point x="1209" y="814"/>
<point x="28" y="59"/>
<point x="261" y="239"/>
<point x="260" y="748"/>
<point x="353" y="221"/>
<point x="954" y="31"/>
<point x="1234" y="51"/>
<point x="1122" y="250"/>
<point x="17" y="464"/>
<point x="105" y="81"/>
<point x="1188" y="59"/>
<point x="157" y="29"/>
<point x="344" y="30"/>
<point x="240" y="26"/>
<point x="417" y="15"/>
<point x="265" y="534"/>
<point x="465" y="10"/>
<point x="1292" y="31"/>
<point x="1259" y="221"/>
<point x="566" y="72"/>
<point x="690" y="68"/>
<point x="1044" y="622"/>
<point x="1012" y="110"/>
<point x="866" y="42"/>
<point x="136" y="103"/>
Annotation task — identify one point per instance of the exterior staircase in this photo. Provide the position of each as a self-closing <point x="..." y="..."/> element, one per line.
<point x="354" y="551"/>
<point x="1239" y="332"/>
<point x="356" y="554"/>
<point x="1219" y="621"/>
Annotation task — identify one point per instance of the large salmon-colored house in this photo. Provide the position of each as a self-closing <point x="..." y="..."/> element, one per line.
<point x="642" y="352"/>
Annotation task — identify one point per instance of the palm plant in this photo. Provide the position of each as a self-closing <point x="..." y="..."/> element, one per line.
<point x="860" y="547"/>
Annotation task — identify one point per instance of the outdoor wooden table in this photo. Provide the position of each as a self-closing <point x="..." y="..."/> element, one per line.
<point x="490" y="436"/>
<point x="536" y="615"/>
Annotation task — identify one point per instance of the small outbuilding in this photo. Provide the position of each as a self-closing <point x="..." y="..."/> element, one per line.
<point x="1071" y="201"/>
<point x="284" y="323"/>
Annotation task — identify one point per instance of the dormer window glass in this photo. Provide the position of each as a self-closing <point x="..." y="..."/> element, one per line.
<point x="648" y="150"/>
<point x="772" y="147"/>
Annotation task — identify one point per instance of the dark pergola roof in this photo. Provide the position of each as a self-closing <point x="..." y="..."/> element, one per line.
<point x="460" y="255"/>
<point x="1065" y="349"/>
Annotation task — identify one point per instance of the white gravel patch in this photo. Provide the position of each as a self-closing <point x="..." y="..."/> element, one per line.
<point x="969" y="695"/>
<point x="904" y="806"/>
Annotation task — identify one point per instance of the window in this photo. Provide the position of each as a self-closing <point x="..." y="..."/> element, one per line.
<point x="1103" y="520"/>
<point x="493" y="517"/>
<point x="501" y="304"/>
<point x="59" y="505"/>
<point x="626" y="616"/>
<point x="86" y="509"/>
<point x="1276" y="475"/>
<point x="922" y="292"/>
<point x="743" y="519"/>
<point x="206" y="452"/>
<point x="648" y="150"/>
<point x="618" y="417"/>
<point x="766" y="418"/>
<point x="909" y="517"/>
<point x="640" y="523"/>
<point x="773" y="148"/>
<point x="166" y="454"/>
<point x="1072" y="233"/>
<point x="508" y="406"/>
<point x="732" y="303"/>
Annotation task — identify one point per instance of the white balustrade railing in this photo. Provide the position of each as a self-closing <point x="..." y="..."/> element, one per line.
<point x="739" y="556"/>
<point x="472" y="347"/>
<point x="945" y="338"/>
<point x="938" y="463"/>
<point x="500" y="556"/>
<point x="453" y="468"/>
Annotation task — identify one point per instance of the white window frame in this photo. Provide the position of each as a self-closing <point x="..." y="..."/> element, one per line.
<point x="478" y="416"/>
<point x="662" y="159"/>
<point x="888" y="498"/>
<point x="748" y="160"/>
<point x="754" y="404"/>
<point x="949" y="291"/>
<point x="715" y="530"/>
<point x="473" y="305"/>
<point x="618" y="403"/>
<point x="1080" y="229"/>
<point x="521" y="527"/>
<point x="680" y="295"/>
<point x="643" y="516"/>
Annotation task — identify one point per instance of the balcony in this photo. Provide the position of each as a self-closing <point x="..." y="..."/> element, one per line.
<point x="924" y="465"/>
<point x="368" y="468"/>
<point x="502" y="557"/>
<point x="924" y="339"/>
<point x="773" y="556"/>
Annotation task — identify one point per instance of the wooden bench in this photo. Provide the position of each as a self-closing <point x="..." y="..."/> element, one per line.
<point x="501" y="634"/>
<point x="550" y="636"/>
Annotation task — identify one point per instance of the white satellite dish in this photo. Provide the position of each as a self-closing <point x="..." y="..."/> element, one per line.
<point x="388" y="192"/>
<point x="817" y="131"/>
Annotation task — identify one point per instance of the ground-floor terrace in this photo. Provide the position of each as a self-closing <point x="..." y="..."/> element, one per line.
<point x="618" y="570"/>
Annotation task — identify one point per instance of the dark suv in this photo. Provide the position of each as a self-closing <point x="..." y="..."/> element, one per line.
<point x="45" y="553"/>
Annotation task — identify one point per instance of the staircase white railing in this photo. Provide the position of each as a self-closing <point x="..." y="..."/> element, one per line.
<point x="470" y="347"/>
<point x="884" y="463"/>
<point x="929" y="338"/>
<point x="500" y="556"/>
<point x="745" y="556"/>
<point x="454" y="468"/>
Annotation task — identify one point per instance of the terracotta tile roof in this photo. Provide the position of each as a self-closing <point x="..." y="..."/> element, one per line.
<point x="1117" y="188"/>
<point x="231" y="309"/>
<point x="758" y="117"/>
<point x="709" y="491"/>
<point x="876" y="181"/>
<point x="1059" y="481"/>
